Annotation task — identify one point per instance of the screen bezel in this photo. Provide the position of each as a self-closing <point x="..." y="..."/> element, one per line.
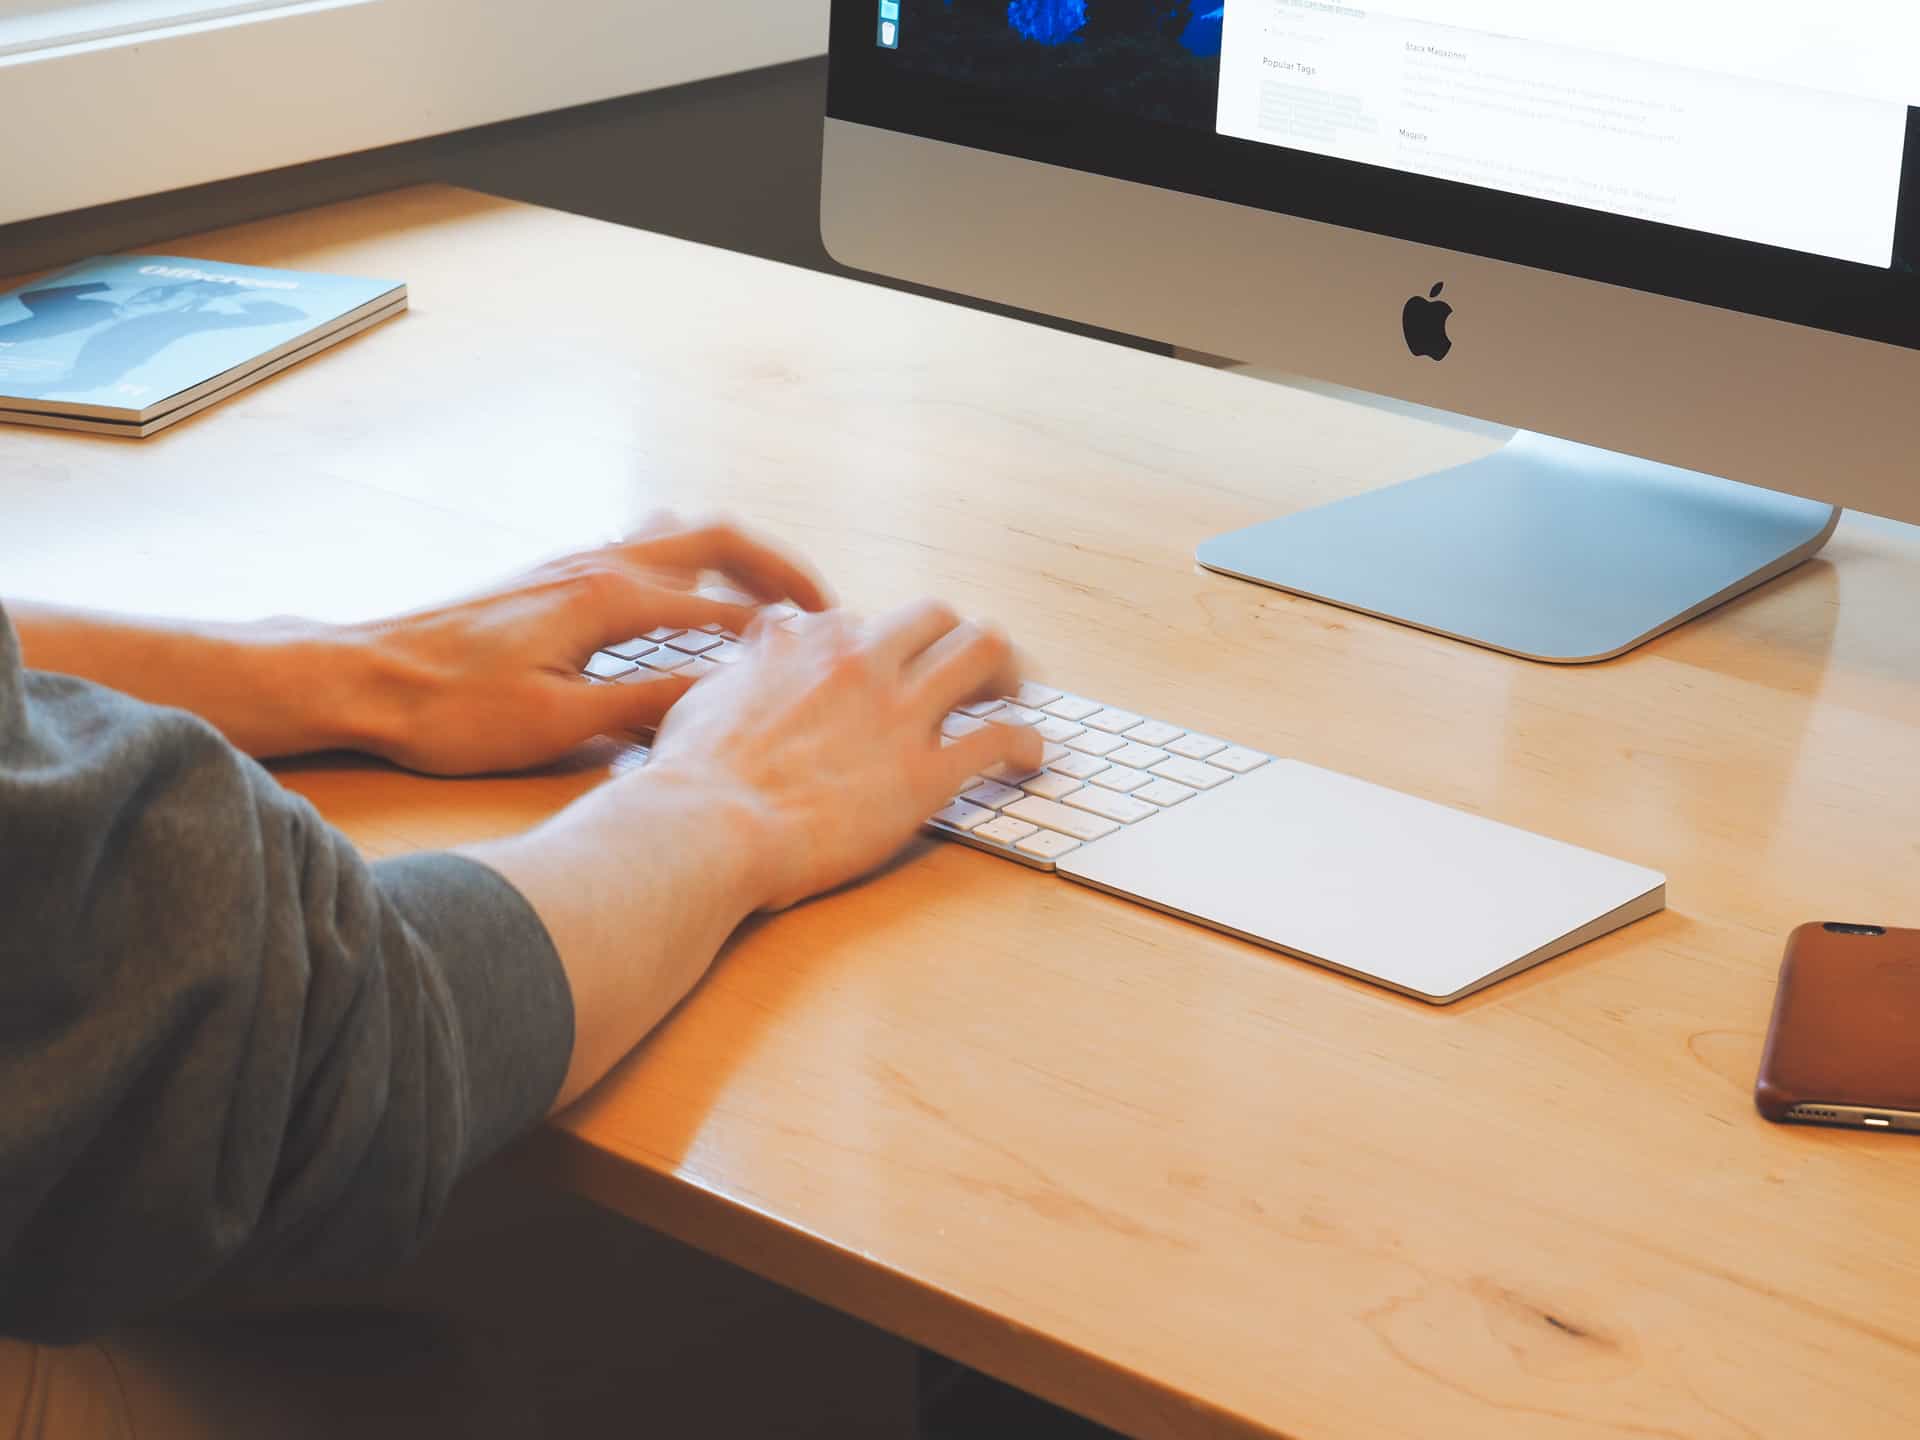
<point x="869" y="85"/>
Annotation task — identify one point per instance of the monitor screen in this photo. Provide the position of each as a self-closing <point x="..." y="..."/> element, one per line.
<point x="1759" y="155"/>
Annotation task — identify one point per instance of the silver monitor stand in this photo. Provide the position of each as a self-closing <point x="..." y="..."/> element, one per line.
<point x="1547" y="550"/>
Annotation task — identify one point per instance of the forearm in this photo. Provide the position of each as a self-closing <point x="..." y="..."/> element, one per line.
<point x="638" y="887"/>
<point x="272" y="687"/>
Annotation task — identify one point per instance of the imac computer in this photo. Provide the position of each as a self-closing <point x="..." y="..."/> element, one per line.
<point x="1670" y="242"/>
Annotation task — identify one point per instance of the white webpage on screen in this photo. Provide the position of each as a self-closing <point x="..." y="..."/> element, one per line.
<point x="1617" y="112"/>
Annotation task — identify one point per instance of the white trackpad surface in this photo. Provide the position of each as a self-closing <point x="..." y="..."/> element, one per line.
<point x="1412" y="895"/>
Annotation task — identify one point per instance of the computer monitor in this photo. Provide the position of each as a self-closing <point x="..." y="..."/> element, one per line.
<point x="1668" y="241"/>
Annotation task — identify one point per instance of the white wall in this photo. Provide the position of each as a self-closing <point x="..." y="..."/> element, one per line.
<point x="112" y="118"/>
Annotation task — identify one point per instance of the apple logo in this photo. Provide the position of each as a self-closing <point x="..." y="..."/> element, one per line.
<point x="1425" y="322"/>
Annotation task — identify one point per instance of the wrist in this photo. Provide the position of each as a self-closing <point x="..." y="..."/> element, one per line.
<point x="333" y="681"/>
<point x="743" y="830"/>
<point x="372" y="692"/>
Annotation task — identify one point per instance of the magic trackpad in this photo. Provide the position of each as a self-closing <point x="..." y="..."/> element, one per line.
<point x="1423" y="899"/>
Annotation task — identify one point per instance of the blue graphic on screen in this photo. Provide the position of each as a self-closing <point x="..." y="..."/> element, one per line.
<point x="1157" y="58"/>
<point x="1055" y="22"/>
<point x="1047" y="22"/>
<point x="1202" y="32"/>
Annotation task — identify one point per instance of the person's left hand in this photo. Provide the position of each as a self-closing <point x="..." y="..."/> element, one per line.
<point x="493" y="682"/>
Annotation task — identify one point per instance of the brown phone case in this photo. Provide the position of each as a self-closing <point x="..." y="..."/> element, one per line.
<point x="1846" y="1027"/>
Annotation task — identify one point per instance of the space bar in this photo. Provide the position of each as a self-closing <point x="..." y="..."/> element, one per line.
<point x="1077" y="823"/>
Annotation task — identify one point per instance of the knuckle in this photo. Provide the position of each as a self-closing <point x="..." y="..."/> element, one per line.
<point x="602" y="584"/>
<point x="850" y="667"/>
<point x="941" y="613"/>
<point x="719" y="530"/>
<point x="847" y="649"/>
<point x="993" y="645"/>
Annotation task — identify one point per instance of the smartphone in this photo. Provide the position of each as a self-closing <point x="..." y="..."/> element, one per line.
<point x="1844" y="1046"/>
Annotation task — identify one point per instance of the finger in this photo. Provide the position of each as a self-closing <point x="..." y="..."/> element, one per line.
<point x="765" y="630"/>
<point x="897" y="638"/>
<point x="762" y="569"/>
<point x="628" y="606"/>
<point x="658" y="525"/>
<point x="970" y="662"/>
<point x="1014" y="746"/>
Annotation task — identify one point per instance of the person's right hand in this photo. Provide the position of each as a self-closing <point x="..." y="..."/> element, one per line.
<point x="828" y="740"/>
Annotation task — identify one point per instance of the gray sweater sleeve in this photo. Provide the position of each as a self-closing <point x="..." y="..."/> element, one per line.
<point x="230" y="1050"/>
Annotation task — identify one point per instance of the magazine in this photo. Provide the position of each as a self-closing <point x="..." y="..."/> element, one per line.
<point x="130" y="344"/>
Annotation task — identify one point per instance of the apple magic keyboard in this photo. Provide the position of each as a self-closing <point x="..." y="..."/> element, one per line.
<point x="1423" y="899"/>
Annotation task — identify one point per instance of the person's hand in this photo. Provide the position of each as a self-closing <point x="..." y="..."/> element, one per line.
<point x="827" y="741"/>
<point x="493" y="682"/>
<point x="803" y="765"/>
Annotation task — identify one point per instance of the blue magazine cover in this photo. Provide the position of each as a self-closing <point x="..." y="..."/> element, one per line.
<point x="129" y="339"/>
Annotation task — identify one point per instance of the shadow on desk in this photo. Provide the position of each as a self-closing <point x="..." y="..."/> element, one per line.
<point x="536" y="1314"/>
<point x="608" y="1328"/>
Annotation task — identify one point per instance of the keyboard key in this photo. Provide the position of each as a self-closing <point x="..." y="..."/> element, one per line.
<point x="1196" y="747"/>
<point x="1237" y="760"/>
<point x="714" y="629"/>
<point x="779" y="614"/>
<point x="609" y="667"/>
<point x="990" y="795"/>
<point x="666" y="659"/>
<point x="1164" y="793"/>
<point x="1034" y="696"/>
<point x="694" y="642"/>
<point x="1057" y="730"/>
<point x="1138" y="757"/>
<point x="698" y="670"/>
<point x="1050" y="786"/>
<point x="1047" y="844"/>
<point x="1101" y="767"/>
<point x="962" y="816"/>
<point x="1080" y="767"/>
<point x="630" y="649"/>
<point x="1071" y="707"/>
<point x="1191" y="773"/>
<point x="728" y="655"/>
<point x="1007" y="832"/>
<point x="1123" y="808"/>
<point x="1076" y="823"/>
<point x="1153" y="732"/>
<point x="662" y="635"/>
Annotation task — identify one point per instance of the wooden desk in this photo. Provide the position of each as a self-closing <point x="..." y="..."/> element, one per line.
<point x="1179" y="1183"/>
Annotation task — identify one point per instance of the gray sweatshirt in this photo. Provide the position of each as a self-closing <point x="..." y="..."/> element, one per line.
<point x="231" y="1052"/>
